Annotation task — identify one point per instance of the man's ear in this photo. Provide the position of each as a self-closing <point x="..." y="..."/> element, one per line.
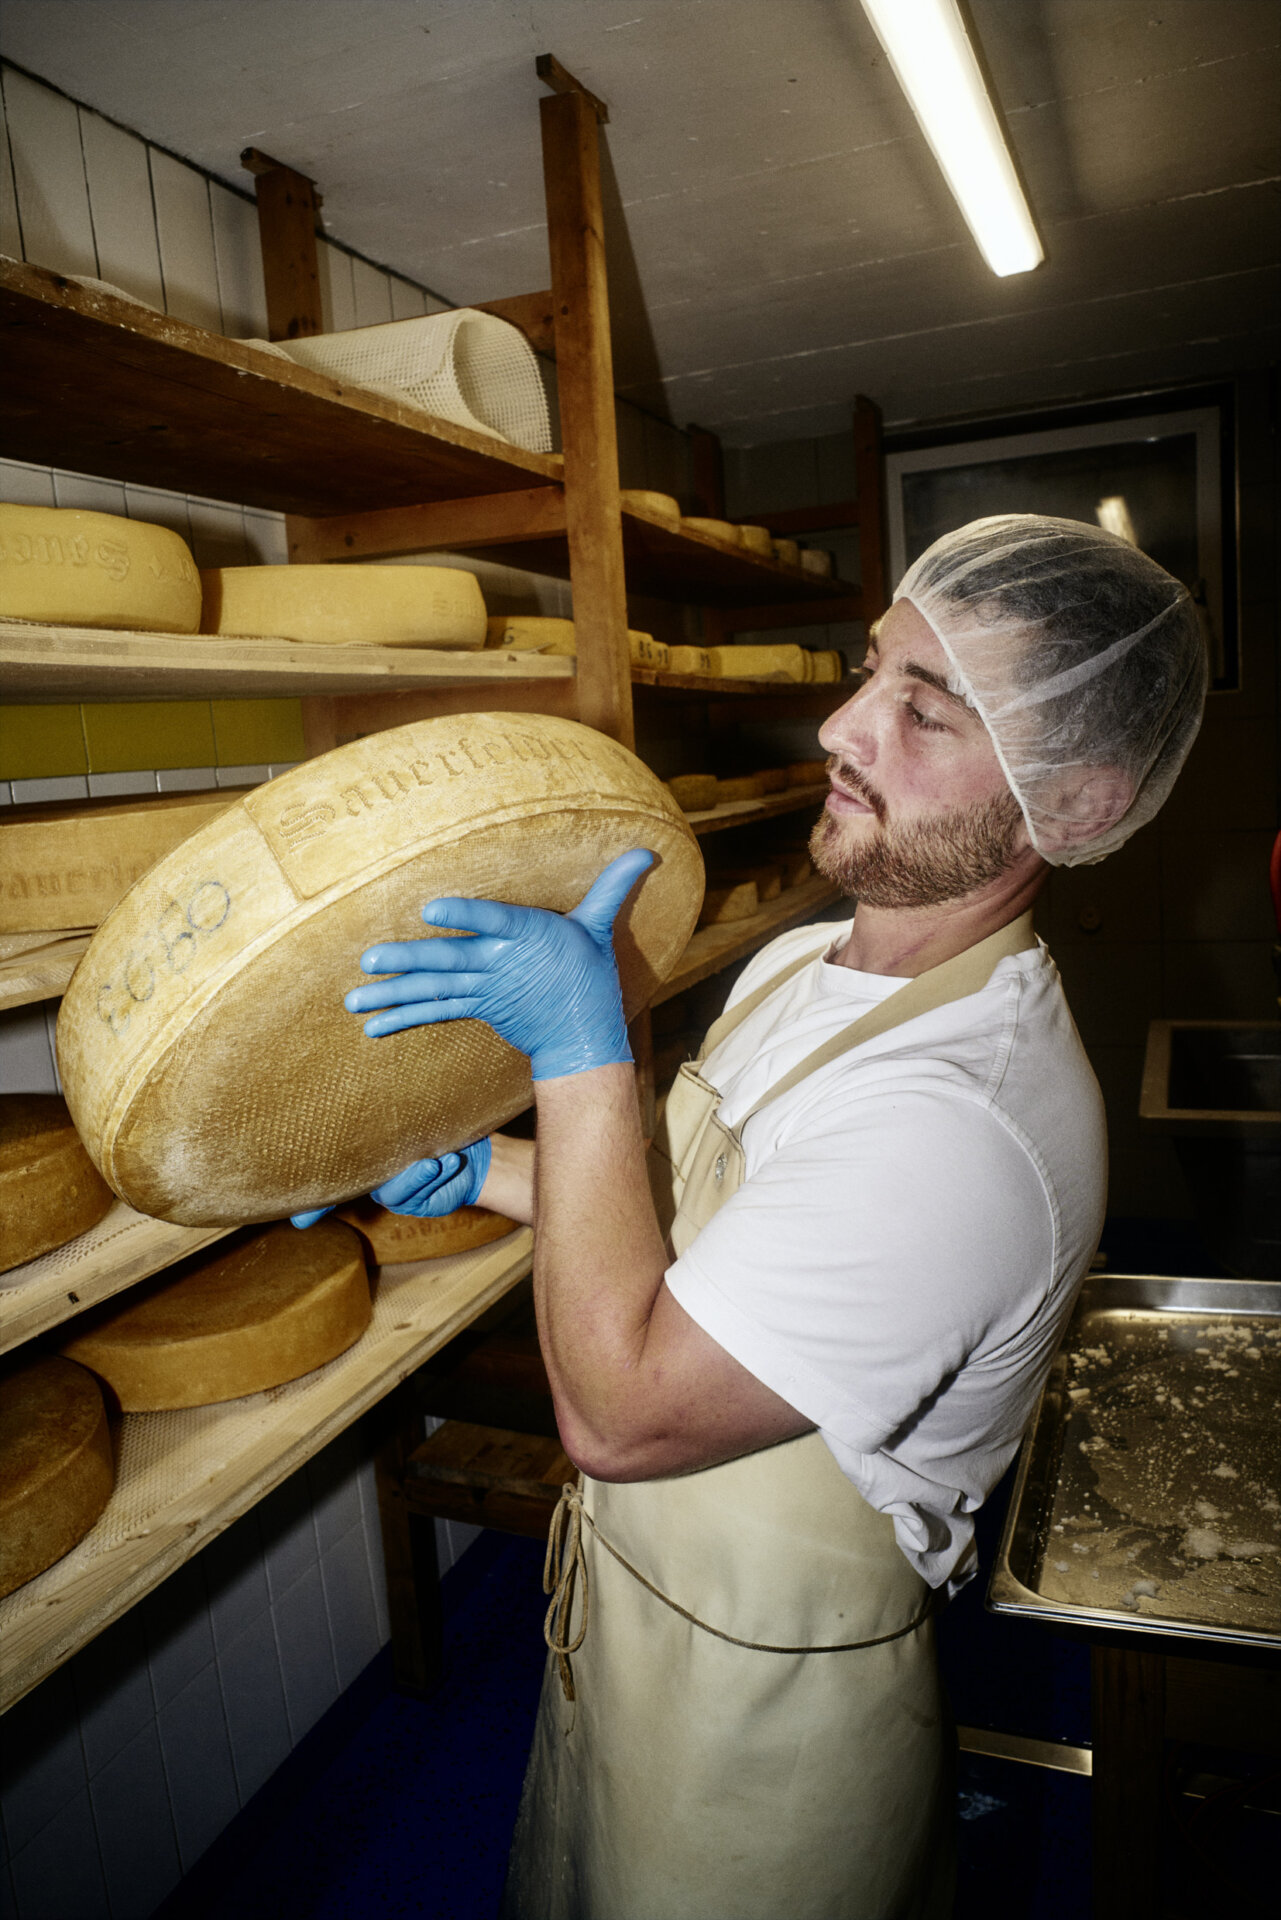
<point x="1081" y="806"/>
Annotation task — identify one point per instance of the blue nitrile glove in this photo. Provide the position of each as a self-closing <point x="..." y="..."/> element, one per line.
<point x="430" y="1187"/>
<point x="545" y="982"/>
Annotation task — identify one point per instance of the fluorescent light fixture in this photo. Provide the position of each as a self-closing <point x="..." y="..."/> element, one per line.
<point x="933" y="61"/>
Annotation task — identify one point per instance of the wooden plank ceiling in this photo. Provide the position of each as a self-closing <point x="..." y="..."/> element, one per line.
<point x="780" y="235"/>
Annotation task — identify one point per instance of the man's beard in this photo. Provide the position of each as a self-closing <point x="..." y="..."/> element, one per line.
<point x="922" y="863"/>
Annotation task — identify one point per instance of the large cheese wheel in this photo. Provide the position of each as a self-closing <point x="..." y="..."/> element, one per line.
<point x="661" y="506"/>
<point x="394" y="1237"/>
<point x="780" y="661"/>
<point x="347" y="605"/>
<point x="230" y="1322"/>
<point x="56" y="1466"/>
<point x="213" y="1071"/>
<point x="742" y="786"/>
<point x="734" y="900"/>
<point x="95" y="570"/>
<point x="766" y="877"/>
<point x="694" y="792"/>
<point x="645" y="651"/>
<point x="688" y="660"/>
<point x="50" y="1189"/>
<point x="66" y="865"/>
<point x="715" y="529"/>
<point x="531" y="633"/>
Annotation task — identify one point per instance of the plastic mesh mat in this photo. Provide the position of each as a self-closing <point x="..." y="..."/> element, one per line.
<point x="465" y="366"/>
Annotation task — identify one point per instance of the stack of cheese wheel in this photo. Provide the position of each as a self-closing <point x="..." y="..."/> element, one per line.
<point x="540" y="633"/>
<point x="50" y="1190"/>
<point x="781" y="661"/>
<point x="764" y="875"/>
<point x="694" y="792"/>
<point x="824" y="664"/>
<point x="77" y="569"/>
<point x="65" y="865"/>
<point x="693" y="660"/>
<point x="56" y="1466"/>
<point x="396" y="1237"/>
<point x="728" y="899"/>
<point x="756" y="540"/>
<point x="656" y="506"/>
<point x="229" y="1322"/>
<point x="738" y="786"/>
<point x="213" y="1072"/>
<point x="348" y="605"/>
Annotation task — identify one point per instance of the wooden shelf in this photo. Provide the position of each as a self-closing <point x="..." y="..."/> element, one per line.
<point x="43" y="973"/>
<point x="123" y="1248"/>
<point x="181" y="1478"/>
<point x="717" y="947"/>
<point x="104" y="386"/>
<point x="746" y="813"/>
<point x="40" y="664"/>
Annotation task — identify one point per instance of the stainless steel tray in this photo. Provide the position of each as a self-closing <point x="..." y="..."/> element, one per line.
<point x="1148" y="1494"/>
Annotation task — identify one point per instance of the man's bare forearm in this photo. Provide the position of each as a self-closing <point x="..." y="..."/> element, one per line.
<point x="509" y="1183"/>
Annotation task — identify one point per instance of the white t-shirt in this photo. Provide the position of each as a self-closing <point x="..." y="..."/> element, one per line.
<point x="914" y="1223"/>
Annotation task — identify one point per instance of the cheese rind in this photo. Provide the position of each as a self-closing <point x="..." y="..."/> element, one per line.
<point x="67" y="865"/>
<point x="394" y="1237"/>
<point x="743" y="786"/>
<point x="781" y="661"/>
<point x="346" y="605"/>
<point x="213" y="1071"/>
<point x="735" y="900"/>
<point x="806" y="773"/>
<point x="694" y="792"/>
<point x="816" y="560"/>
<point x="80" y="569"/>
<point x="715" y="529"/>
<point x="688" y="660"/>
<point x="756" y="540"/>
<point x="787" y="552"/>
<point x="230" y="1322"/>
<point x="662" y="506"/>
<point x="50" y="1190"/>
<point x="56" y="1466"/>
<point x="645" y="651"/>
<point x="531" y="633"/>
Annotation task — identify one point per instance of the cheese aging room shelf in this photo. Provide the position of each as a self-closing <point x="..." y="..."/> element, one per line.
<point x="181" y="1478"/>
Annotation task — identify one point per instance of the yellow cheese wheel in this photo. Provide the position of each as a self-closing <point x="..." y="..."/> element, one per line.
<point x="765" y="876"/>
<point x="756" y="540"/>
<point x="829" y="664"/>
<point x="211" y="1067"/>
<point x="794" y="866"/>
<point x="95" y="570"/>
<point x="806" y="773"/>
<point x="736" y="900"/>
<point x="714" y="529"/>
<point x="56" y="1465"/>
<point x="50" y="1189"/>
<point x="743" y="786"/>
<point x="67" y="864"/>
<point x="647" y="652"/>
<point x="772" y="779"/>
<point x="531" y="633"/>
<point x="348" y="605"/>
<point x="393" y="1237"/>
<point x="230" y="1322"/>
<point x="778" y="662"/>
<point x="787" y="553"/>
<point x="658" y="506"/>
<point x="694" y="792"/>
<point x="688" y="660"/>
<point x="816" y="560"/>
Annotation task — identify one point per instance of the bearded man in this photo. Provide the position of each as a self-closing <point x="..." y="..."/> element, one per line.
<point x="795" y="1359"/>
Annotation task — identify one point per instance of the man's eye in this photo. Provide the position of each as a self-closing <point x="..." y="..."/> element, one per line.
<point x="920" y="720"/>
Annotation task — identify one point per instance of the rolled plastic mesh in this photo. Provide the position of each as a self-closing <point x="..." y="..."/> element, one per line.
<point x="1085" y="660"/>
<point x="468" y="367"/>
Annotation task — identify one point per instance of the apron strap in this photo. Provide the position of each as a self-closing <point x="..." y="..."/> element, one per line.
<point x="955" y="979"/>
<point x="722" y="1028"/>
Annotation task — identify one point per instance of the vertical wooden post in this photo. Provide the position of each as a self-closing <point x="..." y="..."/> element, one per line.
<point x="409" y="1549"/>
<point x="585" y="369"/>
<point x="1127" y="1724"/>
<point x="287" y="208"/>
<point x="870" y="481"/>
<point x="707" y="472"/>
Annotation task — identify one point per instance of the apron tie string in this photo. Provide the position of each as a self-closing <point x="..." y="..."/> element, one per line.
<point x="563" y="1565"/>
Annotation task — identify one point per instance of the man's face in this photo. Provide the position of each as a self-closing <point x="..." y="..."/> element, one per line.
<point x="920" y="811"/>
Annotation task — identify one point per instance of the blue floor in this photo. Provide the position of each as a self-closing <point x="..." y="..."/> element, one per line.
<point x="395" y="1806"/>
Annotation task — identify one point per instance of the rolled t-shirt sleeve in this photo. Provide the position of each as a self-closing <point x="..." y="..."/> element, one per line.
<point x="862" y="1263"/>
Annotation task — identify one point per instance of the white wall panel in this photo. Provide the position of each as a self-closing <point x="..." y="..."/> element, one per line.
<point x="265" y="533"/>
<point x="407" y="300"/>
<point x="161" y="508"/>
<point x="371" y="292"/>
<point x="337" y="293"/>
<point x="185" y="231"/>
<point x="49" y="174"/>
<point x="239" y="258"/>
<point x="82" y="491"/>
<point x="26" y="486"/>
<point x="218" y="534"/>
<point x="124" y="221"/>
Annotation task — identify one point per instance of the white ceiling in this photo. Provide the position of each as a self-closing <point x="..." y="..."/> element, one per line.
<point x="786" y="239"/>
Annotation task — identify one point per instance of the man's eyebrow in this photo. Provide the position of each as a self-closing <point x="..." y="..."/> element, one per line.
<point x="914" y="671"/>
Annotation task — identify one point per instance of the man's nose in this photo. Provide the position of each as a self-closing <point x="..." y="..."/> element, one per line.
<point x="850" y="732"/>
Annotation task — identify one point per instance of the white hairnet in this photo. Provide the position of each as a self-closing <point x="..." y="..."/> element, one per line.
<point x="1080" y="654"/>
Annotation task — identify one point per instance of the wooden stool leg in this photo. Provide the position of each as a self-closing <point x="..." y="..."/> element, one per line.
<point x="1128" y="1721"/>
<point x="409" y="1553"/>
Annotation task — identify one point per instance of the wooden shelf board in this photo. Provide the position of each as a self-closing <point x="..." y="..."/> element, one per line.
<point x="746" y="813"/>
<point x="715" y="947"/>
<point x="182" y="1478"/>
<point x="123" y="1248"/>
<point x="39" y="664"/>
<point x="105" y="386"/>
<point x="42" y="974"/>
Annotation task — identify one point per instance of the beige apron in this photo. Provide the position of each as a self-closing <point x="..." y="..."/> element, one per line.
<point x="741" y="1717"/>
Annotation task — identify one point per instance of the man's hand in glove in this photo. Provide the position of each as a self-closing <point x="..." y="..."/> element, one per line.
<point x="545" y="982"/>
<point x="428" y="1188"/>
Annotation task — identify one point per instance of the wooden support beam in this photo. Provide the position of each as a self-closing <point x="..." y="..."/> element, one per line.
<point x="707" y="472"/>
<point x="1127" y="1719"/>
<point x="288" y="206"/>
<point x="561" y="80"/>
<point x="485" y="520"/>
<point x="533" y="313"/>
<point x="571" y="175"/>
<point x="869" y="478"/>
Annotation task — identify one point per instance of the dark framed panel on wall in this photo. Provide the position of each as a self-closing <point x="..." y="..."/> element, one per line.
<point x="1156" y="468"/>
